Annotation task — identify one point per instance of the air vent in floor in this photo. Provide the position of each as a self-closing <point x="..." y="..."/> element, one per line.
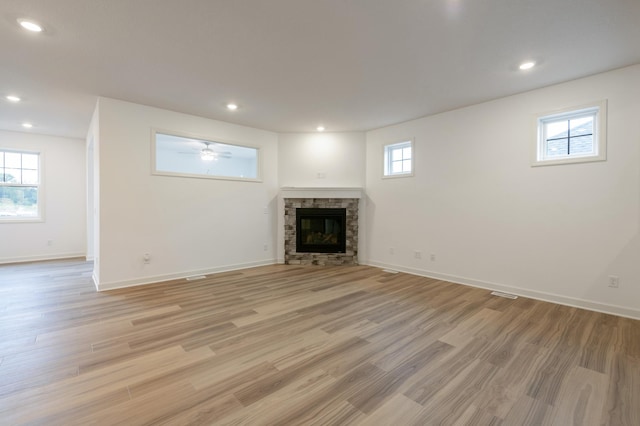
<point x="501" y="294"/>
<point x="196" y="277"/>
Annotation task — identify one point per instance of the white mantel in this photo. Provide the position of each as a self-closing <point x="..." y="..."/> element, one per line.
<point x="320" y="192"/>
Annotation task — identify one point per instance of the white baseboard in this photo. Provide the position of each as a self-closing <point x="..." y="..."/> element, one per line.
<point x="533" y="294"/>
<point x="40" y="257"/>
<point x="179" y="275"/>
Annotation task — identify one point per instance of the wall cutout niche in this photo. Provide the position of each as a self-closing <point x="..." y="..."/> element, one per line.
<point x="174" y="154"/>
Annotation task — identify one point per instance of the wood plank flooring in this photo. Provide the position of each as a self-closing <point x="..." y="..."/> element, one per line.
<point x="292" y="345"/>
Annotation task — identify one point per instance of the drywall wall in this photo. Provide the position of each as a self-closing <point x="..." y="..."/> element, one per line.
<point x="188" y="226"/>
<point x="62" y="233"/>
<point x="492" y="220"/>
<point x="321" y="160"/>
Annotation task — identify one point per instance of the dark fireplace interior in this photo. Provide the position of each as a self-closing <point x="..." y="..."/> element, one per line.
<point x="321" y="230"/>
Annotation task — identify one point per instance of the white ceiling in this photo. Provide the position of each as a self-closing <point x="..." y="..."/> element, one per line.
<point x="351" y="65"/>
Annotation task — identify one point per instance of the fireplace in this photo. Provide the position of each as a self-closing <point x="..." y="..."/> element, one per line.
<point x="321" y="226"/>
<point x="320" y="230"/>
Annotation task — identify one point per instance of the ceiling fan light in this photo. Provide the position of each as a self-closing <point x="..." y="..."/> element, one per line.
<point x="208" y="155"/>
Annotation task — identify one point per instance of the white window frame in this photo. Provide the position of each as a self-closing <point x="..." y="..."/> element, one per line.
<point x="39" y="187"/>
<point x="596" y="109"/>
<point x="387" y="160"/>
<point x="155" y="171"/>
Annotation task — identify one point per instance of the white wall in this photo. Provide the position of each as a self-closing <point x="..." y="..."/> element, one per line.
<point x="321" y="160"/>
<point x="492" y="220"/>
<point x="188" y="225"/>
<point x="63" y="194"/>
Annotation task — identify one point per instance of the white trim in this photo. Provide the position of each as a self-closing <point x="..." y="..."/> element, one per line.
<point x="179" y="275"/>
<point x="95" y="280"/>
<point x="386" y="162"/>
<point x="41" y="257"/>
<point x="40" y="187"/>
<point x="156" y="172"/>
<point x="320" y="192"/>
<point x="621" y="311"/>
<point x="599" y="137"/>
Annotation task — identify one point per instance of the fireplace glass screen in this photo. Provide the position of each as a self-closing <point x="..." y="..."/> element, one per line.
<point x="320" y="230"/>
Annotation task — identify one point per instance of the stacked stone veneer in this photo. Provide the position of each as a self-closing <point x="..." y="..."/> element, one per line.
<point x="349" y="257"/>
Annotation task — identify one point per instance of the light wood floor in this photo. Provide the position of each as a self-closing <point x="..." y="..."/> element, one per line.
<point x="286" y="345"/>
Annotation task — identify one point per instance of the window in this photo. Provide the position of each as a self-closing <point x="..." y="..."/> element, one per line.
<point x="19" y="185"/>
<point x="178" y="155"/>
<point x="398" y="159"/>
<point x="572" y="136"/>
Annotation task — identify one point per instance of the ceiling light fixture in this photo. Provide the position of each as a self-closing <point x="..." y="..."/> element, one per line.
<point x="320" y="128"/>
<point x="13" y="98"/>
<point x="232" y="107"/>
<point x="27" y="125"/>
<point x="208" y="154"/>
<point x="527" y="65"/>
<point x="30" y="25"/>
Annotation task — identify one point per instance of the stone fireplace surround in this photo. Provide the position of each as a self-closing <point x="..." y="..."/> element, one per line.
<point x="347" y="198"/>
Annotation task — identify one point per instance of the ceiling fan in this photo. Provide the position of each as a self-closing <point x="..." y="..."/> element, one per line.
<point x="208" y="154"/>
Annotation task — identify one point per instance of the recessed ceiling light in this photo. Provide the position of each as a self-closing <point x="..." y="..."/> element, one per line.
<point x="320" y="128"/>
<point x="13" y="98"/>
<point x="30" y="25"/>
<point x="27" y="125"/>
<point x="232" y="106"/>
<point x="527" y="65"/>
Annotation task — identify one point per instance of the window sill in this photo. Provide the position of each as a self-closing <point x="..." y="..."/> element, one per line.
<point x="6" y="219"/>
<point x="575" y="160"/>
<point x="403" y="175"/>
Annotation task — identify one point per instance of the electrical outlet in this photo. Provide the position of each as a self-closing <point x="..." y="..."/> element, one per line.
<point x="49" y="242"/>
<point x="432" y="257"/>
<point x="146" y="258"/>
<point x="321" y="175"/>
<point x="265" y="247"/>
<point x="614" y="281"/>
<point x="392" y="250"/>
<point x="417" y="254"/>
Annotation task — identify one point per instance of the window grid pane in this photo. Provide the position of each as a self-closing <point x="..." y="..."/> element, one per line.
<point x="18" y="202"/>
<point x="19" y="179"/>
<point x="572" y="136"/>
<point x="13" y="175"/>
<point x="581" y="145"/>
<point x="12" y="160"/>
<point x="30" y="161"/>
<point x="397" y="159"/>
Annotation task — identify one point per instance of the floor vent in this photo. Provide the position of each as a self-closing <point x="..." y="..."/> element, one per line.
<point x="196" y="277"/>
<point x="390" y="271"/>
<point x="501" y="294"/>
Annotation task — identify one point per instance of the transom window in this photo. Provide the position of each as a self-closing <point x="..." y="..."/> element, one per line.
<point x="188" y="156"/>
<point x="19" y="185"/>
<point x="398" y="159"/>
<point x="570" y="136"/>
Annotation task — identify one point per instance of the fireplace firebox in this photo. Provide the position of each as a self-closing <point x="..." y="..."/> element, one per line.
<point x="320" y="230"/>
